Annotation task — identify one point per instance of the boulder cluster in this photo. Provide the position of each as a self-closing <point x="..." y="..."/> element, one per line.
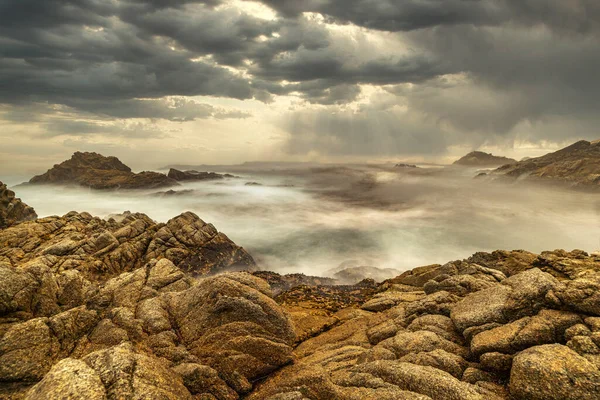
<point x="502" y="325"/>
<point x="127" y="308"/>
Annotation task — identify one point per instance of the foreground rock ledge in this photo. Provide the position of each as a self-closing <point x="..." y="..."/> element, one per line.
<point x="128" y="308"/>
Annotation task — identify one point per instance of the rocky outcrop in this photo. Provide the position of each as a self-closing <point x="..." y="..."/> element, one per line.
<point x="462" y="330"/>
<point x="192" y="175"/>
<point x="481" y="159"/>
<point x="98" y="172"/>
<point x="577" y="165"/>
<point x="127" y="308"/>
<point x="12" y="209"/>
<point x="79" y="246"/>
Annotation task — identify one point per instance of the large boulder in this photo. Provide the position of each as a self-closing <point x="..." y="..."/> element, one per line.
<point x="553" y="372"/>
<point x="521" y="295"/>
<point x="546" y="327"/>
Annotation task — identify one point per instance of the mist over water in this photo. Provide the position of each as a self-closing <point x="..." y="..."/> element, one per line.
<point x="313" y="218"/>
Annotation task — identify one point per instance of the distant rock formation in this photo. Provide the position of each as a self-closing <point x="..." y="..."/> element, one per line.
<point x="356" y="274"/>
<point x="98" y="172"/>
<point x="253" y="184"/>
<point x="405" y="166"/>
<point x="12" y="209"/>
<point x="576" y="165"/>
<point x="280" y="283"/>
<point x="481" y="159"/>
<point x="192" y="175"/>
<point x="171" y="193"/>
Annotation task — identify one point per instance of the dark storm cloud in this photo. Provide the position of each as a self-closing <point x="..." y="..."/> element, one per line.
<point x="526" y="70"/>
<point x="396" y="15"/>
<point x="75" y="53"/>
<point x="85" y="128"/>
<point x="407" y="15"/>
<point x="515" y="76"/>
<point x="93" y="49"/>
<point x="520" y="61"/>
<point x="371" y="132"/>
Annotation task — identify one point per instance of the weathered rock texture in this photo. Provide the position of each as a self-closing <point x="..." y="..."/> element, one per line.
<point x="98" y="172"/>
<point x="481" y="159"/>
<point x="502" y="325"/>
<point x="12" y="209"/>
<point x="576" y="165"/>
<point x="128" y="309"/>
<point x="119" y="309"/>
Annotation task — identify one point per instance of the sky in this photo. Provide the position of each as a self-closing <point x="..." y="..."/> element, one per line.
<point x="227" y="81"/>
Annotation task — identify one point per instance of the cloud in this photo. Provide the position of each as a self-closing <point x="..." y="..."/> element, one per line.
<point x="408" y="15"/>
<point x="468" y="72"/>
<point x="171" y="108"/>
<point x="86" y="128"/>
<point x="381" y="127"/>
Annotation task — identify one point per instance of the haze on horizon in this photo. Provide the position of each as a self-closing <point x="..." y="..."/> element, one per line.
<point x="156" y="82"/>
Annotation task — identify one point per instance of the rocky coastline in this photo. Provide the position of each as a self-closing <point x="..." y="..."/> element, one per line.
<point x="130" y="308"/>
